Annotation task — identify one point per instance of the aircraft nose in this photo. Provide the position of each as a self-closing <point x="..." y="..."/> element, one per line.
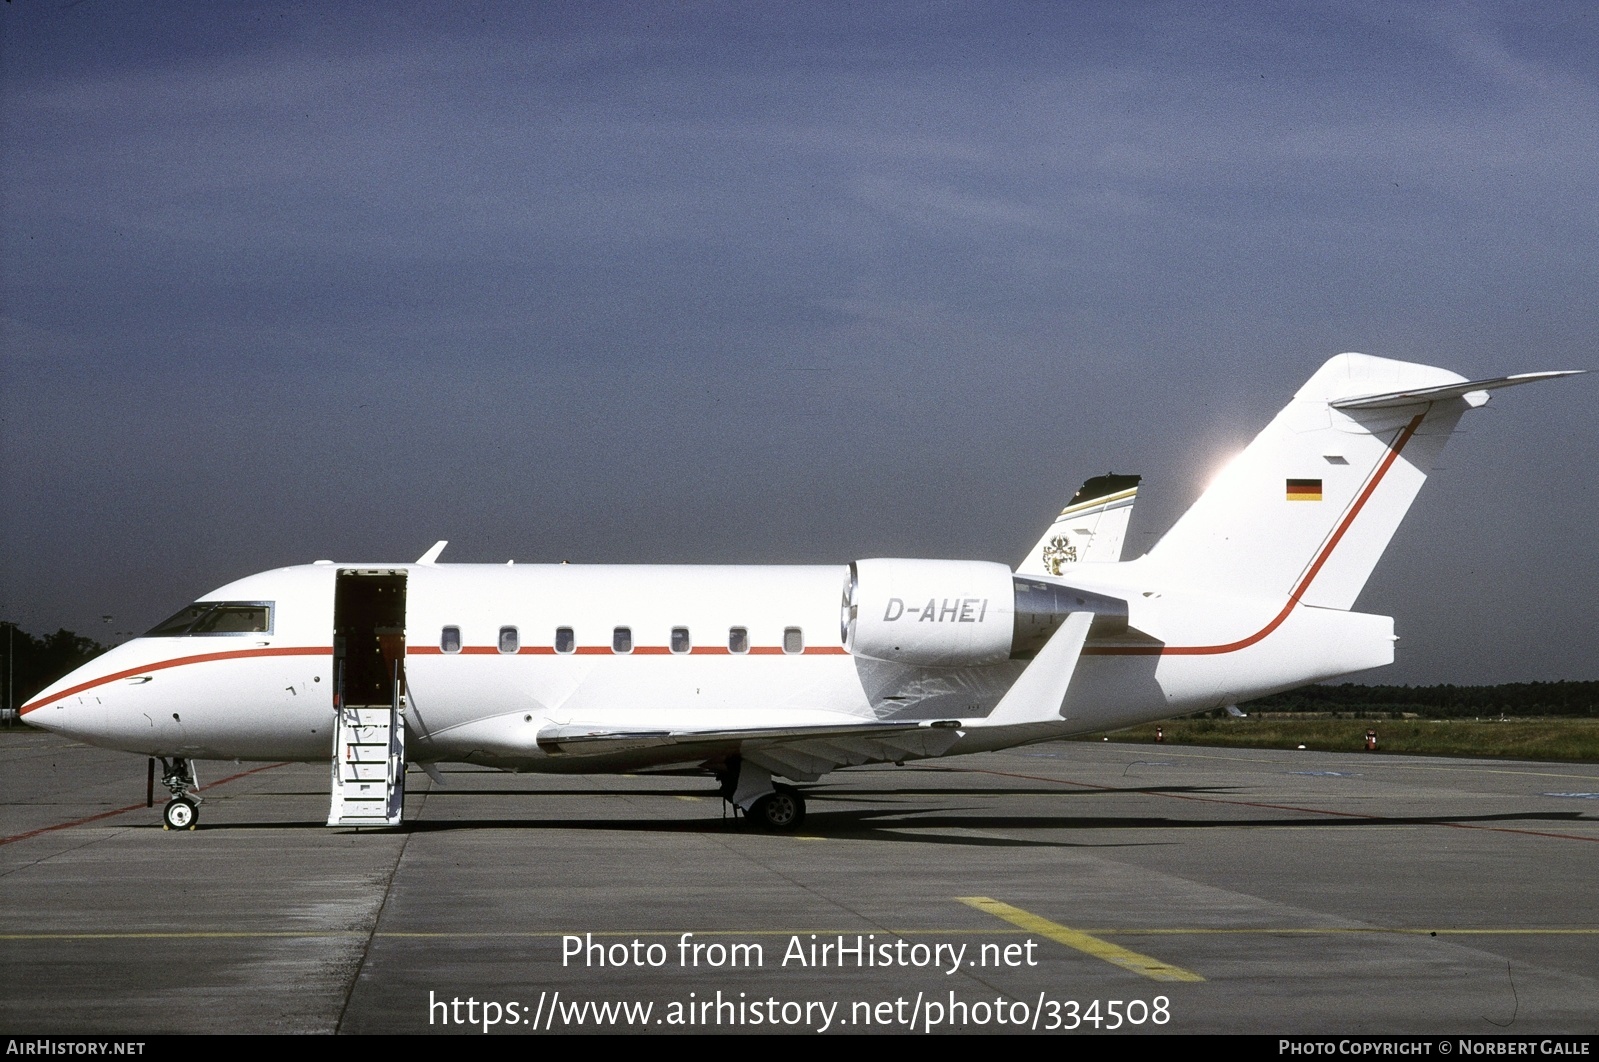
<point x="55" y="717"/>
<point x="60" y="710"/>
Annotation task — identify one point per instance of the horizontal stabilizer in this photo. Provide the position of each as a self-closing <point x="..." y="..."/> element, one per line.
<point x="1467" y="390"/>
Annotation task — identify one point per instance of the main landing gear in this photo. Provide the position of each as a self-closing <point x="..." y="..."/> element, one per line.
<point x="182" y="811"/>
<point x="779" y="811"/>
<point x="768" y="805"/>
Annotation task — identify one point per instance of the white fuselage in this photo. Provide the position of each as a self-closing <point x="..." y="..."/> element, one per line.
<point x="268" y="695"/>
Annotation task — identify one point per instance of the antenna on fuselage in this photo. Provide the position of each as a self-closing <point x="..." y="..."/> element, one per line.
<point x="432" y="555"/>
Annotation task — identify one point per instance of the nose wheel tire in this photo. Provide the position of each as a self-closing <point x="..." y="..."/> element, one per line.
<point x="779" y="812"/>
<point x="180" y="813"/>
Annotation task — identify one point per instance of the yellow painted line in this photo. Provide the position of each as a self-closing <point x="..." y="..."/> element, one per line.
<point x="484" y="935"/>
<point x="194" y="935"/>
<point x="682" y="797"/>
<point x="227" y="934"/>
<point x="1114" y="954"/>
<point x="807" y="837"/>
<point x="1331" y="930"/>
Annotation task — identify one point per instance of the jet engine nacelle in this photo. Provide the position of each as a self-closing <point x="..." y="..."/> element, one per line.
<point x="934" y="613"/>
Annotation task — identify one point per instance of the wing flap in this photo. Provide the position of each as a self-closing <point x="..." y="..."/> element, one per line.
<point x="591" y="740"/>
<point x="808" y="759"/>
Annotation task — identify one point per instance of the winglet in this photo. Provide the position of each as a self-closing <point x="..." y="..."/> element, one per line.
<point x="1038" y="695"/>
<point x="432" y="555"/>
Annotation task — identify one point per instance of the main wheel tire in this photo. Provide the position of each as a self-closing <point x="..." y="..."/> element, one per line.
<point x="779" y="812"/>
<point x="181" y="813"/>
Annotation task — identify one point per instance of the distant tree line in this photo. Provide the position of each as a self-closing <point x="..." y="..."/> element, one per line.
<point x="28" y="664"/>
<point x="1568" y="699"/>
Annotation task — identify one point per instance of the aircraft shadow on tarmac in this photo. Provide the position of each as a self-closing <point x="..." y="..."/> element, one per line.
<point x="929" y="825"/>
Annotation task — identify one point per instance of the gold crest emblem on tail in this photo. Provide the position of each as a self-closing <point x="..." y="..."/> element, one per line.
<point x="1059" y="552"/>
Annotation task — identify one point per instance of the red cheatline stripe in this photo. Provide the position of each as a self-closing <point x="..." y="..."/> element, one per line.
<point x="638" y="650"/>
<point x="1276" y="807"/>
<point x="161" y="665"/>
<point x="130" y="807"/>
<point x="1299" y="591"/>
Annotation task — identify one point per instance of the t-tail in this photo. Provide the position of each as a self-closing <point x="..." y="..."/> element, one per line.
<point x="1305" y="512"/>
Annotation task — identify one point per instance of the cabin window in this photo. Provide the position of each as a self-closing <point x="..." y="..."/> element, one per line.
<point x="565" y="640"/>
<point x="510" y="640"/>
<point x="738" y="640"/>
<point x="450" y="640"/>
<point x="680" y="641"/>
<point x="793" y="640"/>
<point x="622" y="640"/>
<point x="217" y="617"/>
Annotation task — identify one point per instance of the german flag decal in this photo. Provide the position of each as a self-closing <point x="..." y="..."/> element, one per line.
<point x="1304" y="490"/>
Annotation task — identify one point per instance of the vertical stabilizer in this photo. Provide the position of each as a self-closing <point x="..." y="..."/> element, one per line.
<point x="1307" y="509"/>
<point x="1090" y="529"/>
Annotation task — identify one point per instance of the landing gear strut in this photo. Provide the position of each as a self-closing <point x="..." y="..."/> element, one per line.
<point x="766" y="804"/>
<point x="182" y="811"/>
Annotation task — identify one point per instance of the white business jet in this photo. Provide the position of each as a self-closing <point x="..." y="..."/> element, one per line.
<point x="754" y="674"/>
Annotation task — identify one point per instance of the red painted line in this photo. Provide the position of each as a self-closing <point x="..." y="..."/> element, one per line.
<point x="1299" y="591"/>
<point x="1277" y="807"/>
<point x="637" y="650"/>
<point x="130" y="807"/>
<point x="162" y="665"/>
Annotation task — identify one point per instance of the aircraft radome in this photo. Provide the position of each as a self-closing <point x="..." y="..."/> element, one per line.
<point x="753" y="674"/>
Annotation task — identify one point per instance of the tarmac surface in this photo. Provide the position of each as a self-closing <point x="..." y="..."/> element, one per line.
<point x="1201" y="890"/>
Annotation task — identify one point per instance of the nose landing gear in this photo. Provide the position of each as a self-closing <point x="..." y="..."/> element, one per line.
<point x="182" y="812"/>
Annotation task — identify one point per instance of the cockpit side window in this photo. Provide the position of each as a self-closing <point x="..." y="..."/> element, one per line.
<point x="217" y="617"/>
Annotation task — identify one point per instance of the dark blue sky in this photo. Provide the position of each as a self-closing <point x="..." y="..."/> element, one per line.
<point x="702" y="282"/>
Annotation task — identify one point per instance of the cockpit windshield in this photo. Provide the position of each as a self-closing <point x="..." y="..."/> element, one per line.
<point x="217" y="617"/>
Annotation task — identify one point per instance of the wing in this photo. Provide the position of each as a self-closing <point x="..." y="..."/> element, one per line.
<point x="806" y="752"/>
<point x="803" y="753"/>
